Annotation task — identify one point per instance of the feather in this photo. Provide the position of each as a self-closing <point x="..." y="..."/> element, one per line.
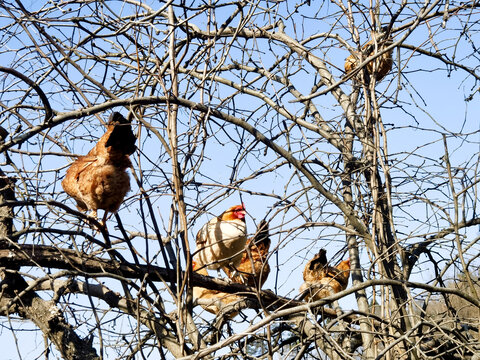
<point x="220" y="241"/>
<point x="99" y="180"/>
<point x="253" y="269"/>
<point x="322" y="280"/>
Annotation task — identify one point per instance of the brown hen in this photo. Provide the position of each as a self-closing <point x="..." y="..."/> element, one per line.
<point x="99" y="180"/>
<point x="253" y="269"/>
<point x="212" y="301"/>
<point x="322" y="280"/>
<point x="381" y="65"/>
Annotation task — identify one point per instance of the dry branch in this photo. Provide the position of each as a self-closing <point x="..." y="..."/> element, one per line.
<point x="44" y="314"/>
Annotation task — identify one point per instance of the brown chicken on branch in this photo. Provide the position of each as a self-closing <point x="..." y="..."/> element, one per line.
<point x="221" y="241"/>
<point x="381" y="65"/>
<point x="99" y="180"/>
<point x="212" y="301"/>
<point x="322" y="280"/>
<point x="253" y="269"/>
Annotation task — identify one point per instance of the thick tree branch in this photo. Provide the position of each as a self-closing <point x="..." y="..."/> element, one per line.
<point x="28" y="304"/>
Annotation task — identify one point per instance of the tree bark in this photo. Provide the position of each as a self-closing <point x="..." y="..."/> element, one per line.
<point x="16" y="298"/>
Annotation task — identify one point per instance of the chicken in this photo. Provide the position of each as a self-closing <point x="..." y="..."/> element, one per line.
<point x="212" y="301"/>
<point x="220" y="241"/>
<point x="253" y="269"/>
<point x="322" y="280"/>
<point x="382" y="65"/>
<point x="99" y="180"/>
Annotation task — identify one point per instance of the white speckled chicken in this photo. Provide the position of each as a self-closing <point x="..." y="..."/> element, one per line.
<point x="221" y="241"/>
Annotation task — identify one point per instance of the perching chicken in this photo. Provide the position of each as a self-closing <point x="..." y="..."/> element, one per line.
<point x="253" y="269"/>
<point x="221" y="241"/>
<point x="212" y="301"/>
<point x="322" y="280"/>
<point x="99" y="180"/>
<point x="382" y="65"/>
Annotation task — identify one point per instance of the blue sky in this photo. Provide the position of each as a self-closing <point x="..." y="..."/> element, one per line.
<point x="432" y="104"/>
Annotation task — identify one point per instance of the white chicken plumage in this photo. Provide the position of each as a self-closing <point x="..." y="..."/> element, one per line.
<point x="221" y="241"/>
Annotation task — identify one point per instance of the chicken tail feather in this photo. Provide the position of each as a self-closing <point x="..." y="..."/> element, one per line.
<point x="262" y="232"/>
<point x="320" y="260"/>
<point x="122" y="137"/>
